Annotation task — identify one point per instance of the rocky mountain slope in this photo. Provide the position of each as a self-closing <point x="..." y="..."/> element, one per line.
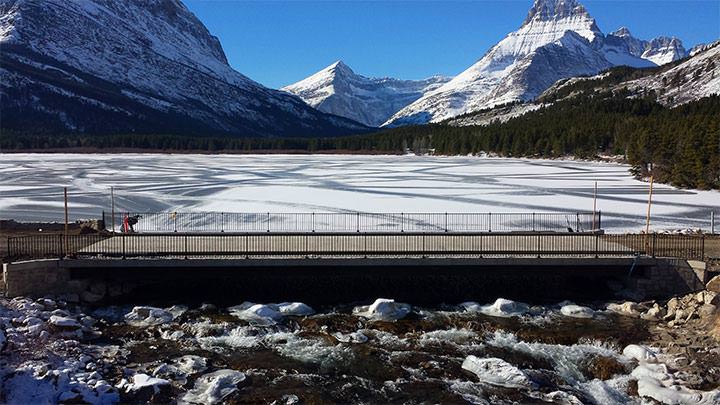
<point x="114" y="66"/>
<point x="558" y="39"/>
<point x="673" y="84"/>
<point x="340" y="91"/>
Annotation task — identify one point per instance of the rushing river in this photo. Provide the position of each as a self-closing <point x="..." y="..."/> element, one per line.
<point x="501" y="352"/>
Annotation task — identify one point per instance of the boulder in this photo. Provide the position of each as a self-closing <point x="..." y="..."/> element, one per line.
<point x="627" y="308"/>
<point x="713" y="285"/>
<point x="707" y="310"/>
<point x="214" y="387"/>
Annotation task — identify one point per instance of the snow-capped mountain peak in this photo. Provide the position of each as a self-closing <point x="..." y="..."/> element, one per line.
<point x="557" y="40"/>
<point x="338" y="90"/>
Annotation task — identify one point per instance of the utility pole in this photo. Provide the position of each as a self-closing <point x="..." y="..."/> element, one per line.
<point x="66" y="219"/>
<point x="594" y="207"/>
<point x="647" y="219"/>
<point x="112" y="205"/>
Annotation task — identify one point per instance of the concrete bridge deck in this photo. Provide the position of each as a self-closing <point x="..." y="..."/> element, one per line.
<point x="362" y="245"/>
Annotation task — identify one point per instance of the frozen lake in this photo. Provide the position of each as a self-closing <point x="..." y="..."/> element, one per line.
<point x="31" y="186"/>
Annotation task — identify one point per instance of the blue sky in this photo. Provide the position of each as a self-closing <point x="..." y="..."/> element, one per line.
<point x="280" y="42"/>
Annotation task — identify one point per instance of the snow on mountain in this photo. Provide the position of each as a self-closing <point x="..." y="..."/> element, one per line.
<point x="558" y="39"/>
<point x="694" y="78"/>
<point x="662" y="50"/>
<point x="622" y="49"/>
<point x="371" y="101"/>
<point x="493" y="79"/>
<point x="100" y="66"/>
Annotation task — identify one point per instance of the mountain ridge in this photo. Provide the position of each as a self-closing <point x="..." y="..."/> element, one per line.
<point x="500" y="76"/>
<point x="337" y="89"/>
<point x="109" y="66"/>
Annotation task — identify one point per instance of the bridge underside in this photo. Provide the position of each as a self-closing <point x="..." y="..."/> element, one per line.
<point x="329" y="281"/>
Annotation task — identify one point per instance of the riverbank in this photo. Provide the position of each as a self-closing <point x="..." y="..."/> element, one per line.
<point x="499" y="352"/>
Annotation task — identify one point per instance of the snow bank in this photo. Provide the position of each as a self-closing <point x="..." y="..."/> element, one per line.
<point x="148" y="316"/>
<point x="212" y="388"/>
<point x="501" y="307"/>
<point x="497" y="372"/>
<point x="656" y="382"/>
<point x="383" y="309"/>
<point x="577" y="311"/>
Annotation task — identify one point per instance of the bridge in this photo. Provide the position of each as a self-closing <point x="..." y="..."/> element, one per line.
<point x="355" y="256"/>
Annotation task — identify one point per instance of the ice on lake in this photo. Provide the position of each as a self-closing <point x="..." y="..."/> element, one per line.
<point x="31" y="186"/>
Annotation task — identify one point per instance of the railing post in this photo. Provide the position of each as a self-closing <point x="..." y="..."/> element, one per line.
<point x="122" y="239"/>
<point x="268" y="222"/>
<point x="652" y="247"/>
<point x="312" y="221"/>
<point x="357" y="222"/>
<point x="186" y="245"/>
<point x="446" y="222"/>
<point x="597" y="245"/>
<point x="599" y="220"/>
<point x="222" y="222"/>
<point x="489" y="221"/>
<point x="533" y="222"/>
<point x="402" y="222"/>
<point x="577" y="222"/>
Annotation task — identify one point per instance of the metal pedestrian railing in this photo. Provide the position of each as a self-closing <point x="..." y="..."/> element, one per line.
<point x="353" y="244"/>
<point x="208" y="222"/>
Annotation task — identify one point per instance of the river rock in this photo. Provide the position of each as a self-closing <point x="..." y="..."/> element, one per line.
<point x="654" y="314"/>
<point x="214" y="387"/>
<point x="603" y="368"/>
<point x="64" y="323"/>
<point x="707" y="310"/>
<point x="713" y="285"/>
<point x="627" y="308"/>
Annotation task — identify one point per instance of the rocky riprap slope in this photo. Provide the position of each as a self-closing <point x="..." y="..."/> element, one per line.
<point x="129" y="66"/>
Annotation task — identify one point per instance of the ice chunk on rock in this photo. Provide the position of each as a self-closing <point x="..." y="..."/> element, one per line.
<point x="212" y="388"/>
<point x="263" y="314"/>
<point x="577" y="311"/>
<point x="144" y="381"/>
<point x="383" y="309"/>
<point x="497" y="372"/>
<point x="501" y="307"/>
<point x="640" y="353"/>
<point x="148" y="316"/>
<point x="294" y="309"/>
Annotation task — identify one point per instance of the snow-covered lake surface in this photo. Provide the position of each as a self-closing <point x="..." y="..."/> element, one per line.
<point x="31" y="186"/>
